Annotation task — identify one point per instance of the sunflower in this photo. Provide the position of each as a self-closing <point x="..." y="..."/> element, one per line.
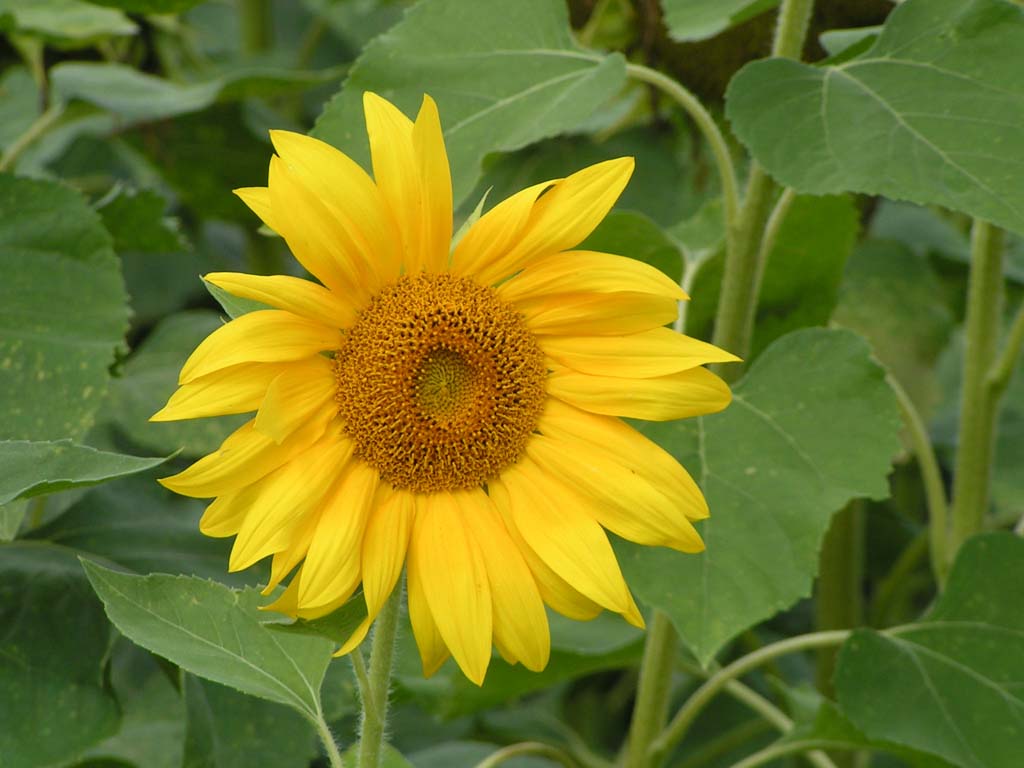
<point x="451" y="409"/>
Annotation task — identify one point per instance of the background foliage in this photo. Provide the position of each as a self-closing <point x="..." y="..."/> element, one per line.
<point x="124" y="124"/>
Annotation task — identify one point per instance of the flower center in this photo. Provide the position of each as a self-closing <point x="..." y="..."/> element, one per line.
<point x="440" y="383"/>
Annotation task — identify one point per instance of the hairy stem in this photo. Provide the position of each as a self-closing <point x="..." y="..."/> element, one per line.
<point x="744" y="255"/>
<point x="931" y="477"/>
<point x="705" y="124"/>
<point x="651" y="710"/>
<point x="330" y="745"/>
<point x="840" y="600"/>
<point x="375" y="700"/>
<point x="978" y="403"/>
<point x="684" y="718"/>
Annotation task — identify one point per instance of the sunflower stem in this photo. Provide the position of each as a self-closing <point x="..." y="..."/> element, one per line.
<point x="652" y="698"/>
<point x="978" y="401"/>
<point x="255" y="21"/>
<point x="694" y="705"/>
<point x="707" y="126"/>
<point x="375" y="698"/>
<point x="775" y="751"/>
<point x="327" y="738"/>
<point x="745" y="232"/>
<point x="37" y="129"/>
<point x="931" y="477"/>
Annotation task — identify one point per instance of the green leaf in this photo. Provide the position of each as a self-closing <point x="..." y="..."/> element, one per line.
<point x="336" y="626"/>
<point x="52" y="652"/>
<point x="140" y="525"/>
<point x="30" y="469"/>
<point x="504" y="75"/>
<point x="135" y="219"/>
<point x="153" y="722"/>
<point x="64" y="21"/>
<point x="227" y="729"/>
<point x="63" y="310"/>
<point x="214" y="632"/>
<point x="232" y="305"/>
<point x="772" y="476"/>
<point x="19" y="106"/>
<point x="149" y="6"/>
<point x="828" y="727"/>
<point x="11" y="517"/>
<point x="801" y="277"/>
<point x="930" y="113"/>
<point x="138" y="97"/>
<point x="690" y="20"/>
<point x="150" y="377"/>
<point x="892" y="297"/>
<point x="846" y="41"/>
<point x="949" y="685"/>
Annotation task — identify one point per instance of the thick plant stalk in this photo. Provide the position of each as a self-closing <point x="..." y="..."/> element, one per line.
<point x="375" y="699"/>
<point x="978" y="401"/>
<point x="652" y="699"/>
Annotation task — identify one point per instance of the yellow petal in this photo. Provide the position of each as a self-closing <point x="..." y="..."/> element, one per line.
<point x="597" y="313"/>
<point x="238" y="389"/>
<point x="588" y="271"/>
<point x="267" y="336"/>
<point x="318" y="238"/>
<point x="243" y="458"/>
<point x="224" y="516"/>
<point x="554" y="590"/>
<point x="573" y="545"/>
<point x="480" y="252"/>
<point x="298" y="296"/>
<point x="397" y="173"/>
<point x="656" y="352"/>
<point x="451" y="570"/>
<point x="303" y="389"/>
<point x="520" y="622"/>
<point x="258" y="200"/>
<point x="619" y="440"/>
<point x="385" y="544"/>
<point x="285" y="560"/>
<point x="619" y="498"/>
<point x="677" y="396"/>
<point x="565" y="215"/>
<point x="351" y="197"/>
<point x="435" y="187"/>
<point x="285" y="497"/>
<point x="333" y="564"/>
<point x="433" y="651"/>
<point x="355" y="638"/>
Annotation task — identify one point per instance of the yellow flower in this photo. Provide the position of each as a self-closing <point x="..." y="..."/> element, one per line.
<point x="453" y="409"/>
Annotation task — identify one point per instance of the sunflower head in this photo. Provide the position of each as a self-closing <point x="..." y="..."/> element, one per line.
<point x="453" y="411"/>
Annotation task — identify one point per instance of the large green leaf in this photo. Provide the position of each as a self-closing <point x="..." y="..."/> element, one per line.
<point x="951" y="684"/>
<point x="64" y="21"/>
<point x="503" y="74"/>
<point x="930" y="113"/>
<point x="62" y="310"/>
<point x="150" y="377"/>
<point x="811" y="426"/>
<point x="227" y="729"/>
<point x="136" y="96"/>
<point x="53" y="646"/>
<point x="215" y="632"/>
<point x="34" y="468"/>
<point x="700" y="19"/>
